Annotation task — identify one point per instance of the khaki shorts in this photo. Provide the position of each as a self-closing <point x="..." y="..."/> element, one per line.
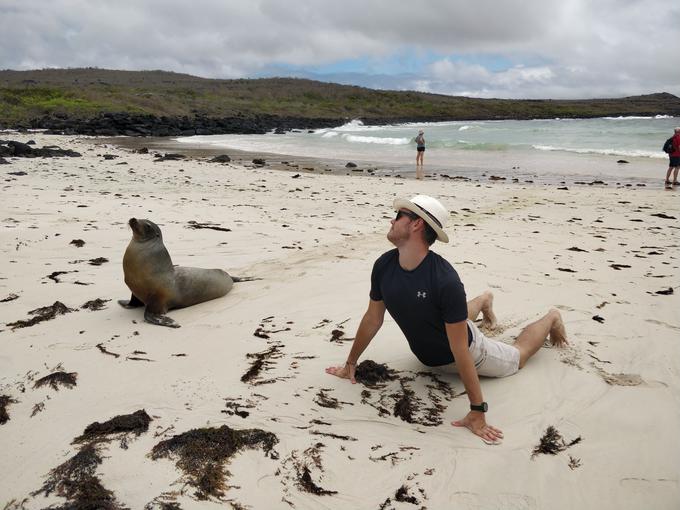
<point x="492" y="358"/>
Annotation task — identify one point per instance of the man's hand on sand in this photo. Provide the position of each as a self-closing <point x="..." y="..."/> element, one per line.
<point x="345" y="371"/>
<point x="476" y="423"/>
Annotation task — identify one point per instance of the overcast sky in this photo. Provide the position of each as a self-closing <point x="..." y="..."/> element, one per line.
<point x="481" y="48"/>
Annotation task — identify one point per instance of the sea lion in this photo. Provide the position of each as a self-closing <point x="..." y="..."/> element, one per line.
<point x="160" y="286"/>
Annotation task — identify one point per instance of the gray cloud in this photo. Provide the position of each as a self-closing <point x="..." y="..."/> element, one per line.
<point x="566" y="48"/>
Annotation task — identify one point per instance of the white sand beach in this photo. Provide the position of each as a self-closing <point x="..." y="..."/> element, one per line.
<point x="602" y="255"/>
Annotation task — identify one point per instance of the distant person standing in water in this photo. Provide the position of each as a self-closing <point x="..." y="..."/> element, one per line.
<point x="420" y="143"/>
<point x="674" y="159"/>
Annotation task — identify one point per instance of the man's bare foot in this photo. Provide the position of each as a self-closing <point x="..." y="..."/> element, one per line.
<point x="558" y="333"/>
<point x="489" y="320"/>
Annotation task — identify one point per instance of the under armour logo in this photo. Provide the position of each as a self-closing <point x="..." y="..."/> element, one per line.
<point x="421" y="294"/>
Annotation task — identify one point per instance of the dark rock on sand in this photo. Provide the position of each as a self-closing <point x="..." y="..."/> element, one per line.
<point x="19" y="149"/>
<point x="23" y="150"/>
<point x="222" y="158"/>
<point x="350" y="165"/>
<point x="259" y="162"/>
<point x="169" y="157"/>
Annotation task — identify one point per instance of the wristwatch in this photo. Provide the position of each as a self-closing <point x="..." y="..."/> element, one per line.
<point x="482" y="408"/>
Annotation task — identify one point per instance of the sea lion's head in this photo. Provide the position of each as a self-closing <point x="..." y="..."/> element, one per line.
<point x="144" y="230"/>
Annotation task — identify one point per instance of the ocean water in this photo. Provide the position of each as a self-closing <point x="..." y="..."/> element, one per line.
<point x="550" y="149"/>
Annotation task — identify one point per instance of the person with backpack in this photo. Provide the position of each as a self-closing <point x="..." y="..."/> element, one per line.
<point x="672" y="148"/>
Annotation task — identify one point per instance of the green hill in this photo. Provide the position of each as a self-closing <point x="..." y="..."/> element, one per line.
<point x="86" y="93"/>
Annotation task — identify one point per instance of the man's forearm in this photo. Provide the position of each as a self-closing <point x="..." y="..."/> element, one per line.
<point x="470" y="379"/>
<point x="367" y="330"/>
<point x="465" y="365"/>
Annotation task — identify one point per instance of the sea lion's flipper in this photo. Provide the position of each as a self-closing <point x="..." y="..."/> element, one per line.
<point x="238" y="279"/>
<point x="133" y="303"/>
<point x="159" y="320"/>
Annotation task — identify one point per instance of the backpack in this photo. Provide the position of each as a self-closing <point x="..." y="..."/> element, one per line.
<point x="668" y="146"/>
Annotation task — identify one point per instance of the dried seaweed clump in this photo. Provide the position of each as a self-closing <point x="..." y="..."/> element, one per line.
<point x="262" y="361"/>
<point x="369" y="373"/>
<point x="136" y="423"/>
<point x="403" y="496"/>
<point x="300" y="470"/>
<point x="5" y="400"/>
<point x="55" y="379"/>
<point x="552" y="443"/>
<point x="41" y="314"/>
<point x="202" y="453"/>
<point x="406" y="405"/>
<point x="306" y="483"/>
<point x="162" y="505"/>
<point x="95" y="304"/>
<point x="76" y="481"/>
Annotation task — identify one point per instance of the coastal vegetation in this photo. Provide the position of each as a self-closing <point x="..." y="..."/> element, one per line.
<point x="82" y="94"/>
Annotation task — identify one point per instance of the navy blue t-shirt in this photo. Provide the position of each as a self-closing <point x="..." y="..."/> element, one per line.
<point x="421" y="301"/>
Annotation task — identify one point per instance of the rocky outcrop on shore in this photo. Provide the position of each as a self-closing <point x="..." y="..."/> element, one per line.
<point x="12" y="148"/>
<point x="127" y="124"/>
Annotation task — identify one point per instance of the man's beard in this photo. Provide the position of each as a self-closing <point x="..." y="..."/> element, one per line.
<point x="395" y="238"/>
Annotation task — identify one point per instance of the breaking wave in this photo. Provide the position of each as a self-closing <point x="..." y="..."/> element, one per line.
<point x="376" y="139"/>
<point x="605" y="152"/>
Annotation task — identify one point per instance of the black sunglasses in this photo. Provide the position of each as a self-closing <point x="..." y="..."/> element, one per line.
<point x="408" y="214"/>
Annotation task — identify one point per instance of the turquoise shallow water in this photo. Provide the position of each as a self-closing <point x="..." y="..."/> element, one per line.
<point x="556" y="148"/>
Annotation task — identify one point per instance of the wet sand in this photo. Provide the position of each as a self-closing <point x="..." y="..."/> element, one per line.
<point x="518" y="167"/>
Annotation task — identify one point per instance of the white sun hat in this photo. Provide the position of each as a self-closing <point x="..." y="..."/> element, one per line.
<point x="430" y="210"/>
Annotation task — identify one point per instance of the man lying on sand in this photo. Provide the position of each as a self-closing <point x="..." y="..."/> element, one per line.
<point x="426" y="298"/>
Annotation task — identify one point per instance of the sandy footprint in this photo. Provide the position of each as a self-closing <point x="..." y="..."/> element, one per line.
<point x="620" y="379"/>
<point x="500" y="327"/>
